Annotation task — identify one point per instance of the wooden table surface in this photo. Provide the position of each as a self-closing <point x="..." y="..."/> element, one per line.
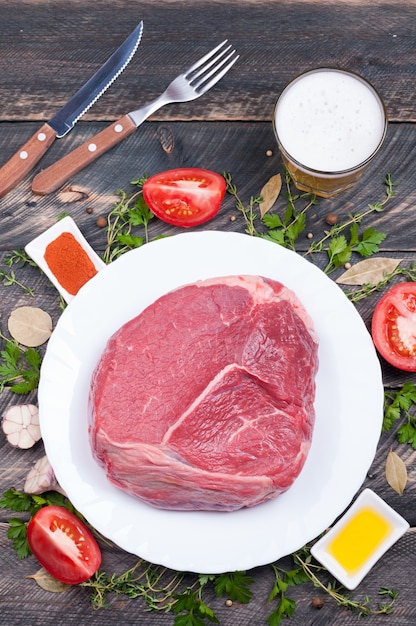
<point x="47" y="50"/>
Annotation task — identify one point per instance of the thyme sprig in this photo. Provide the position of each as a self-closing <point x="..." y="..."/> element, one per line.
<point x="249" y="212"/>
<point x="19" y="257"/>
<point x="409" y="273"/>
<point x="163" y="589"/>
<point x="335" y="591"/>
<point x="10" y="279"/>
<point x="156" y="585"/>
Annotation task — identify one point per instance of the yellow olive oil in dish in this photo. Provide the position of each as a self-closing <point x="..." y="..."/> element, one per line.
<point x="356" y="542"/>
<point x="359" y="538"/>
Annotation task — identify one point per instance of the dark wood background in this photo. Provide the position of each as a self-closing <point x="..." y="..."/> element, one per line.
<point x="47" y="50"/>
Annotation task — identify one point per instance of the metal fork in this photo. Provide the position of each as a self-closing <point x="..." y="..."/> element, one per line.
<point x="192" y="84"/>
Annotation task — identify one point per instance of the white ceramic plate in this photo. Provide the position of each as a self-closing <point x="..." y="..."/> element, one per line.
<point x="349" y="407"/>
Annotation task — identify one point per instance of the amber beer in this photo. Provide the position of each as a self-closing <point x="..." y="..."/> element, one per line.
<point x="329" y="124"/>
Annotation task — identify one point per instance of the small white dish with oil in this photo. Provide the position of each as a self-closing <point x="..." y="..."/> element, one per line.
<point x="359" y="539"/>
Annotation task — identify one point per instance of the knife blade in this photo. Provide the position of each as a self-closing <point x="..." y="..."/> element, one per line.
<point x="20" y="164"/>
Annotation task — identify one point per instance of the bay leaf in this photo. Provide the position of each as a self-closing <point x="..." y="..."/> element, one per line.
<point x="30" y="326"/>
<point x="270" y="193"/>
<point x="396" y="472"/>
<point x="369" y="271"/>
<point x="48" y="582"/>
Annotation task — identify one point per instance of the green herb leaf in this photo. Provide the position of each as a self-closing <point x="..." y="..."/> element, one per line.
<point x="130" y="241"/>
<point x="407" y="434"/>
<point x="285" y="608"/>
<point x="370" y="242"/>
<point x="194" y="609"/>
<point x="17" y="533"/>
<point x="337" y="245"/>
<point x="272" y="220"/>
<point x="19" y="369"/>
<point x="401" y="405"/>
<point x="16" y="501"/>
<point x="235" y="585"/>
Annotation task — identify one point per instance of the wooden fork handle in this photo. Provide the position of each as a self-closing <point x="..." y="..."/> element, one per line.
<point x="51" y="178"/>
<point x="20" y="164"/>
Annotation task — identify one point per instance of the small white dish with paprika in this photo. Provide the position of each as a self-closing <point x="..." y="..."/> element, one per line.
<point x="65" y="256"/>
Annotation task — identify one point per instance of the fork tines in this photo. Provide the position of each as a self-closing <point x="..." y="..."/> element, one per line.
<point x="203" y="74"/>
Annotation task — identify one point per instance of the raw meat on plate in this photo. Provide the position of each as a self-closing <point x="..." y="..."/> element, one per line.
<point x="205" y="400"/>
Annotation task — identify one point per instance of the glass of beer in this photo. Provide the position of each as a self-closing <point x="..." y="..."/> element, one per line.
<point x="329" y="124"/>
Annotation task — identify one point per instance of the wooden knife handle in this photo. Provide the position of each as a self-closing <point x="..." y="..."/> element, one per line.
<point x="25" y="158"/>
<point x="51" y="178"/>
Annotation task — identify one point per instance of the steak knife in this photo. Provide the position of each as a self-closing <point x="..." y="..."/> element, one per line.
<point x="20" y="164"/>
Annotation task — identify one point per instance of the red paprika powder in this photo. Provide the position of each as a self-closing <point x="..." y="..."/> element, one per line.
<point x="68" y="261"/>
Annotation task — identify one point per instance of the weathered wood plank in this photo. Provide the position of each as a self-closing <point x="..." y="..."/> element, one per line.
<point x="46" y="53"/>
<point x="237" y="148"/>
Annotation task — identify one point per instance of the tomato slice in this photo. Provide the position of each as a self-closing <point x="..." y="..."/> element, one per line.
<point x="63" y="545"/>
<point x="393" y="326"/>
<point x="184" y="196"/>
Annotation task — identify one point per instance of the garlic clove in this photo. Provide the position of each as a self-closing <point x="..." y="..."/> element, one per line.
<point x="41" y="478"/>
<point x="21" y="425"/>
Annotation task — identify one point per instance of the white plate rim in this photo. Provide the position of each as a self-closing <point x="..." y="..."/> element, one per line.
<point x="204" y="541"/>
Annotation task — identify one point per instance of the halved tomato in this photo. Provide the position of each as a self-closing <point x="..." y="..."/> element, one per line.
<point x="185" y="196"/>
<point x="393" y="326"/>
<point x="63" y="545"/>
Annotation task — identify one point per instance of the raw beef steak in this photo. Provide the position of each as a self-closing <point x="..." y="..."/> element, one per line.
<point x="204" y="401"/>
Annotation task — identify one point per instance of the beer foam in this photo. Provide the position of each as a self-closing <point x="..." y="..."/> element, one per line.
<point x="329" y="120"/>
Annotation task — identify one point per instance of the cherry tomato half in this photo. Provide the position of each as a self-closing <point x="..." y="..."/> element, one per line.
<point x="63" y="545"/>
<point x="184" y="196"/>
<point x="393" y="326"/>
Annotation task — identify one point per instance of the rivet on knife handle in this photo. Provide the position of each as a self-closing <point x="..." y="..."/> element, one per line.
<point x="25" y="158"/>
<point x="58" y="173"/>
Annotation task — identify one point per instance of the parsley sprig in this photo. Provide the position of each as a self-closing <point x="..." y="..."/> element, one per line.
<point x="398" y="405"/>
<point x="19" y="368"/>
<point x="286" y="230"/>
